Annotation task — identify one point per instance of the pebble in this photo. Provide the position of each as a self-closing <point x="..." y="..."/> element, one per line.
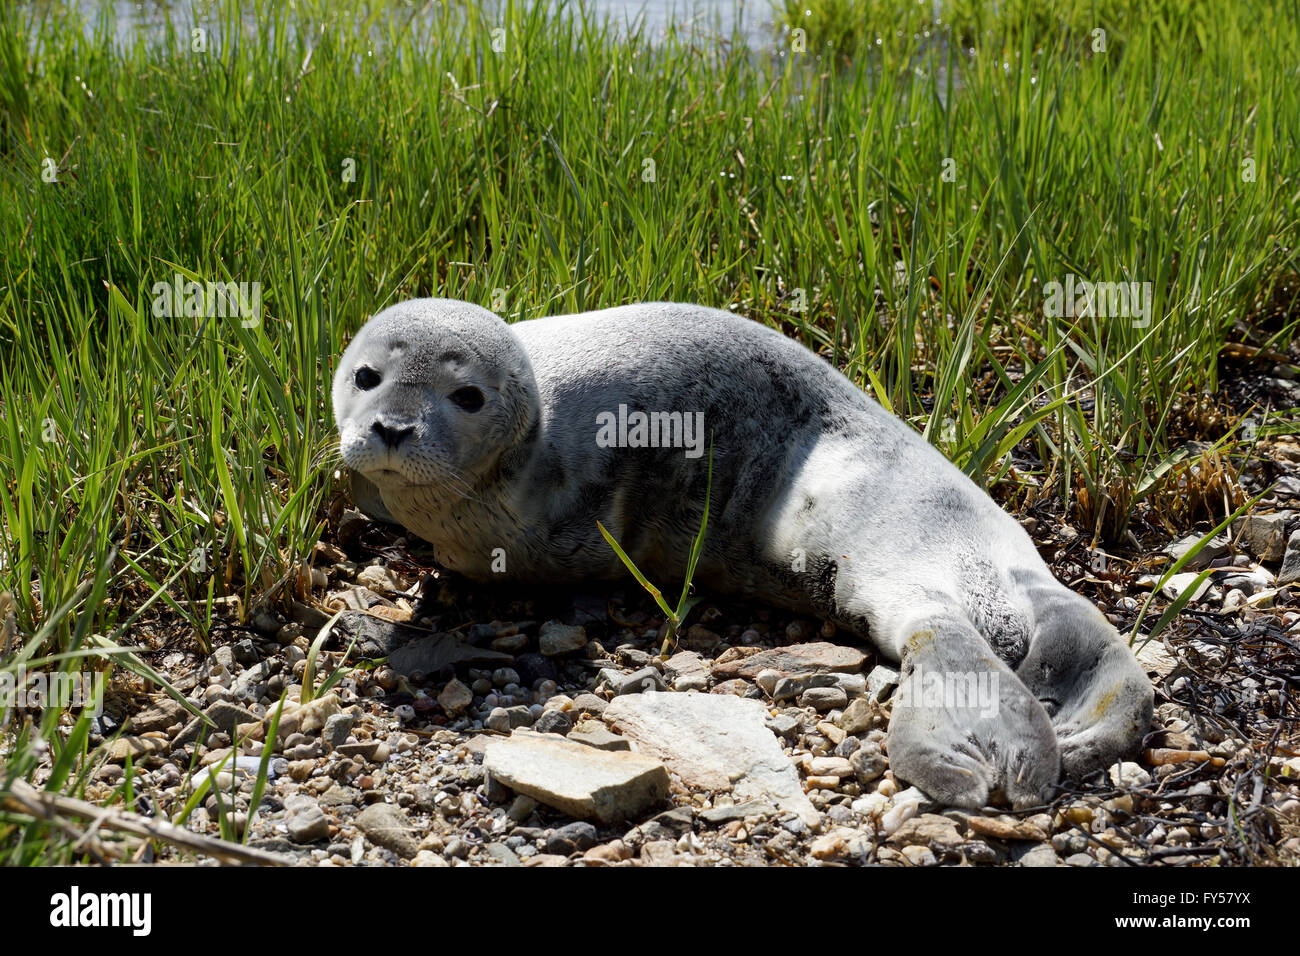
<point x="919" y="855"/>
<point x="308" y="824"/>
<point x="868" y="762"/>
<point x="824" y="698"/>
<point x="638" y="682"/>
<point x="553" y="722"/>
<point x="1129" y="775"/>
<point x="336" y="730"/>
<point x="1040" y="855"/>
<point x="572" y="838"/>
<point x="556" y="638"/>
<point x="859" y="716"/>
<point x="387" y="826"/>
<point x="455" y="697"/>
<point x="881" y="681"/>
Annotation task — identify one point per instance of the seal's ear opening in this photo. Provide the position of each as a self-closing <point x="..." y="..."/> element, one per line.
<point x="365" y="495"/>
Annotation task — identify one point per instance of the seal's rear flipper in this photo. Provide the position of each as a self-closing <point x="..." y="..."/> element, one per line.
<point x="963" y="727"/>
<point x="365" y="495"/>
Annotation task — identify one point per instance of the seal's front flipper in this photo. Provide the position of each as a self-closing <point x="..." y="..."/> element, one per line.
<point x="1097" y="694"/>
<point x="365" y="495"/>
<point x="964" y="728"/>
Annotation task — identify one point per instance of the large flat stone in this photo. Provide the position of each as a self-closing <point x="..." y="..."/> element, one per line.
<point x="606" y="785"/>
<point x="818" y="657"/>
<point x="714" y="742"/>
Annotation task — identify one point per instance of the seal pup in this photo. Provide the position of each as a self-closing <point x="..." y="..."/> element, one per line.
<point x="502" y="445"/>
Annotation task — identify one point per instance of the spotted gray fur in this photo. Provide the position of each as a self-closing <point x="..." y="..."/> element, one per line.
<point x="895" y="543"/>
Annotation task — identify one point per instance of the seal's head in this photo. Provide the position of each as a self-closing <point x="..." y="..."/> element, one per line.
<point x="433" y="392"/>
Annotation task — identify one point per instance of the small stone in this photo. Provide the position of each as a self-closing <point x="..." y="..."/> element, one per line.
<point x="829" y="766"/>
<point x="784" y="725"/>
<point x="589" y="704"/>
<point x="919" y="856"/>
<point x="136" y="748"/>
<point x="927" y="829"/>
<point x="572" y="838"/>
<point x="510" y="644"/>
<point x="1041" y="855"/>
<point x="737" y="811"/>
<point x="881" y="681"/>
<point x="824" y="698"/>
<point x="336" y="730"/>
<point x="554" y="722"/>
<point x="502" y="854"/>
<point x="387" y="826"/>
<point x="638" y="682"/>
<point x="737" y="686"/>
<point x="371" y="751"/>
<point x="378" y="578"/>
<point x="163" y="715"/>
<point x="455" y="697"/>
<point x="556" y="638"/>
<point x="521" y="808"/>
<point x="308" y="824"/>
<point x="1004" y="828"/>
<point x="1129" y="775"/>
<point x="860" y="716"/>
<point x="311" y="717"/>
<point x="613" y="852"/>
<point x="505" y="719"/>
<point x="868" y="762"/>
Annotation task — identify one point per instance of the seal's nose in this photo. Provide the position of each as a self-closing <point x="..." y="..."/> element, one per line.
<point x="392" y="437"/>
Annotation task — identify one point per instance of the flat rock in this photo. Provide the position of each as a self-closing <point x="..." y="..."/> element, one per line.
<point x="387" y="826"/>
<point x="576" y="779"/>
<point x="794" y="660"/>
<point x="714" y="742"/>
<point x="430" y="654"/>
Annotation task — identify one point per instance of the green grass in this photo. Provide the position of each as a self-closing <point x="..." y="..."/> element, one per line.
<point x="149" y="466"/>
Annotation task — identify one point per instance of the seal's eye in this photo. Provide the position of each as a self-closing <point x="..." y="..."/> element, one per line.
<point x="468" y="398"/>
<point x="367" y="378"/>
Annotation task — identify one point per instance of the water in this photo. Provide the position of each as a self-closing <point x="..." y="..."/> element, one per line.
<point x="751" y="19"/>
